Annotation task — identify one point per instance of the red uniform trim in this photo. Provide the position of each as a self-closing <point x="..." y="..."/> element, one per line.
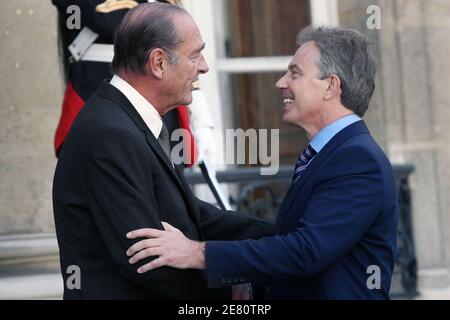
<point x="189" y="145"/>
<point x="72" y="104"/>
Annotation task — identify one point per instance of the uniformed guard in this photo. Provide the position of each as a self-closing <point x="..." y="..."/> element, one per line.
<point x="86" y="50"/>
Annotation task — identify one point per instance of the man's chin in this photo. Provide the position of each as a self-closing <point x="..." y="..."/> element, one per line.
<point x="187" y="100"/>
<point x="285" y="117"/>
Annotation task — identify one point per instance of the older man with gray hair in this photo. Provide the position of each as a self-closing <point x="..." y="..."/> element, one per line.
<point x="335" y="234"/>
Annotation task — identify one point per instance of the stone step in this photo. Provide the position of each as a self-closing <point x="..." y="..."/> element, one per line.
<point x="27" y="245"/>
<point x="31" y="287"/>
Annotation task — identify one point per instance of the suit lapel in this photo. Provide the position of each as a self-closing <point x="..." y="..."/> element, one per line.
<point x="352" y="130"/>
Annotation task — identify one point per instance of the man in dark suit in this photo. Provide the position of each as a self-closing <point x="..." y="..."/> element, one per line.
<point x="114" y="172"/>
<point x="335" y="234"/>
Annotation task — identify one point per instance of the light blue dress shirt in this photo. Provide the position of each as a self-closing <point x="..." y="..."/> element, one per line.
<point x="324" y="136"/>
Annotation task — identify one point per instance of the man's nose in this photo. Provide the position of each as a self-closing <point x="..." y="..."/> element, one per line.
<point x="203" y="65"/>
<point x="281" y="83"/>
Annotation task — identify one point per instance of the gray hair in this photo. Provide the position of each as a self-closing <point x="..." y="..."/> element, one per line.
<point x="347" y="54"/>
<point x="144" y="28"/>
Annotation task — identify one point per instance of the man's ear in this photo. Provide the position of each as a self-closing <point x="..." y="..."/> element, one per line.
<point x="156" y="63"/>
<point x="334" y="87"/>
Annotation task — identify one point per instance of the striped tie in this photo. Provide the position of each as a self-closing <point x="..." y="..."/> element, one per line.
<point x="302" y="162"/>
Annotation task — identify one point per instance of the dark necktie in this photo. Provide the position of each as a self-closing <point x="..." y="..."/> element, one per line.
<point x="164" y="141"/>
<point x="302" y="162"/>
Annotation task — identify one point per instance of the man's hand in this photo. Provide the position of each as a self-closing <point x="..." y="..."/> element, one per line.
<point x="170" y="245"/>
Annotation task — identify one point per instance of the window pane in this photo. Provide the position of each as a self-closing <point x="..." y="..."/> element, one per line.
<point x="264" y="27"/>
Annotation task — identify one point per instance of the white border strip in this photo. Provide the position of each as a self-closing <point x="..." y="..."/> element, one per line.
<point x="253" y="65"/>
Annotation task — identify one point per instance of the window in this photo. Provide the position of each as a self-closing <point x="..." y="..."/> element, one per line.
<point x="249" y="45"/>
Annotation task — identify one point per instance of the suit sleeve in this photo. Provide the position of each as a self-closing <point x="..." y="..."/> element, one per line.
<point x="217" y="224"/>
<point x="120" y="199"/>
<point x="342" y="207"/>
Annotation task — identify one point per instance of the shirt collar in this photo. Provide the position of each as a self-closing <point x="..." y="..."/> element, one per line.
<point x="326" y="134"/>
<point x="145" y="109"/>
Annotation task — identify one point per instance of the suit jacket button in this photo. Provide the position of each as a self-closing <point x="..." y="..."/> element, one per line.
<point x="230" y="280"/>
<point x="242" y="279"/>
<point x="223" y="280"/>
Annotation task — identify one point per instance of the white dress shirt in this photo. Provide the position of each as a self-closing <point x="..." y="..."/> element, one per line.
<point x="147" y="112"/>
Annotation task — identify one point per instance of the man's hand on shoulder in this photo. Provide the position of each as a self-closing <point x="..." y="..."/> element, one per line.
<point x="170" y="247"/>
